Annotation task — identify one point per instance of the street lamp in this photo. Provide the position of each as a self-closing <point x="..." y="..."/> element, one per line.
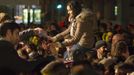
<point x="59" y="6"/>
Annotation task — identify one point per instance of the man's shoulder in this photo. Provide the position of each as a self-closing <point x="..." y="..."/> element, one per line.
<point x="4" y="42"/>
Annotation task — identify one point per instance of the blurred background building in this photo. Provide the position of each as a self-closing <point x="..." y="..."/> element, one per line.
<point x="41" y="11"/>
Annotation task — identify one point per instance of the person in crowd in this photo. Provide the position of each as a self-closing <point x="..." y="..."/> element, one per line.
<point x="123" y="69"/>
<point x="103" y="30"/>
<point x="56" y="67"/>
<point x="79" y="55"/>
<point x="115" y="39"/>
<point x="82" y="24"/>
<point x="101" y="48"/>
<point x="120" y="52"/>
<point x="53" y="29"/>
<point x="82" y="68"/>
<point x="130" y="60"/>
<point x="128" y="38"/>
<point x="91" y="56"/>
<point x="117" y="28"/>
<point x="9" y="33"/>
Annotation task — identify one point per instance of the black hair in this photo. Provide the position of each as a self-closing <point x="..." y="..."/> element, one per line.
<point x="75" y="6"/>
<point x="8" y="26"/>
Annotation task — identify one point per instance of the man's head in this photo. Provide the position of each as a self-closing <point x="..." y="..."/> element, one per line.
<point x="117" y="37"/>
<point x="82" y="68"/>
<point x="10" y="32"/>
<point x="100" y="43"/>
<point x="101" y="47"/>
<point x="73" y="8"/>
<point x="55" y="68"/>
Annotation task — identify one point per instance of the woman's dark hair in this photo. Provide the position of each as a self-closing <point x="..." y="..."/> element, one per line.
<point x="120" y="47"/>
<point x="75" y="6"/>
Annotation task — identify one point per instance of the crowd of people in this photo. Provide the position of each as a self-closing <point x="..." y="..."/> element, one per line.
<point x="82" y="48"/>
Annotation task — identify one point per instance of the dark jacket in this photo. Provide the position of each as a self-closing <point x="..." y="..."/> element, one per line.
<point x="9" y="59"/>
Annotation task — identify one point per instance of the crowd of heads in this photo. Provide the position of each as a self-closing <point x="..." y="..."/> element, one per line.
<point x="112" y="54"/>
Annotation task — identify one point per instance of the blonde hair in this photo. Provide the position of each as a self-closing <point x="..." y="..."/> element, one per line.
<point x="4" y="17"/>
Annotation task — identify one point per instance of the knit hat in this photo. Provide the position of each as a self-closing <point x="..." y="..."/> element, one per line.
<point x="100" y="43"/>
